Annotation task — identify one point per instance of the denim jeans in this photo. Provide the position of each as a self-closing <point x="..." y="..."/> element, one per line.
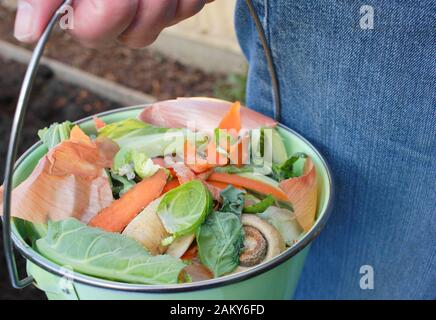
<point x="365" y="95"/>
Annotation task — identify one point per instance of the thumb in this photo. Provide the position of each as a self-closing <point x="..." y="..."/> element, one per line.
<point x="32" y="18"/>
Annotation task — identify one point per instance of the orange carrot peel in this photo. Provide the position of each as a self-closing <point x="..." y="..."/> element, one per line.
<point x="119" y="214"/>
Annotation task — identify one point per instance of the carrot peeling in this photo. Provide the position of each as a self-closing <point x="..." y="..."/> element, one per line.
<point x="223" y="185"/>
<point x="171" y="185"/>
<point x="98" y="123"/>
<point x="119" y="214"/>
<point x="232" y="119"/>
<point x="247" y="183"/>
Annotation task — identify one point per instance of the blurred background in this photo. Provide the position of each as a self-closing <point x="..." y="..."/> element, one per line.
<point x="199" y="57"/>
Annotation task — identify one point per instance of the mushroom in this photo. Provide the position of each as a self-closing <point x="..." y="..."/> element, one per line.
<point x="262" y="241"/>
<point x="255" y="247"/>
<point x="148" y="229"/>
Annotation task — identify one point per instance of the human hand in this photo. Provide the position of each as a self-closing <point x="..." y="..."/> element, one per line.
<point x="136" y="23"/>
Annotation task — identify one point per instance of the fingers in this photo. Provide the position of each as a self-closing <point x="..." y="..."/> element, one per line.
<point x="95" y="21"/>
<point x="137" y="23"/>
<point x="188" y="8"/>
<point x="155" y="15"/>
<point x="152" y="16"/>
<point x="98" y="22"/>
<point x="32" y="17"/>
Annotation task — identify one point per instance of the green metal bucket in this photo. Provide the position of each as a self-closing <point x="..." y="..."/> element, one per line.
<point x="275" y="279"/>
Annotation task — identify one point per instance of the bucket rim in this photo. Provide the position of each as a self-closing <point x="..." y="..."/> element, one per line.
<point x="30" y="254"/>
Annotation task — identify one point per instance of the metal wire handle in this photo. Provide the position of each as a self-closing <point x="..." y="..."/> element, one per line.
<point x="17" y="127"/>
<point x="21" y="109"/>
<point x="269" y="60"/>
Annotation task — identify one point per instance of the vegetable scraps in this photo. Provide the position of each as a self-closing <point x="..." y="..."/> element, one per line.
<point x="106" y="255"/>
<point x="117" y="216"/>
<point x="302" y="192"/>
<point x="70" y="181"/>
<point x="220" y="239"/>
<point x="55" y="134"/>
<point x="129" y="204"/>
<point x="205" y="113"/>
<point x="183" y="209"/>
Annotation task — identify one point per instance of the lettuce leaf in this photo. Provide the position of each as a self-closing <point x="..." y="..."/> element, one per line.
<point x="118" y="129"/>
<point x="152" y="145"/>
<point x="220" y="240"/>
<point x="106" y="255"/>
<point x="143" y="165"/>
<point x="132" y="132"/>
<point x="233" y="200"/>
<point x="55" y="134"/>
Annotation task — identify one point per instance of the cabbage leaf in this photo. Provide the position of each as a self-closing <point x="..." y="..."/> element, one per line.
<point x="55" y="134"/>
<point x="119" y="129"/>
<point x="106" y="255"/>
<point x="183" y="209"/>
<point x="285" y="222"/>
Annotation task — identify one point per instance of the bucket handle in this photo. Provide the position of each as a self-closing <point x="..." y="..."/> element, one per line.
<point x="21" y="109"/>
<point x="17" y="126"/>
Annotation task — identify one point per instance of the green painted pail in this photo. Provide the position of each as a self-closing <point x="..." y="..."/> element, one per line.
<point x="275" y="279"/>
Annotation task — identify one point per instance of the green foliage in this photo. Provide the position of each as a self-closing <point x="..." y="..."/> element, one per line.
<point x="183" y="209"/>
<point x="286" y="169"/>
<point x="55" y="134"/>
<point x="261" y="206"/>
<point x="220" y="238"/>
<point x="106" y="255"/>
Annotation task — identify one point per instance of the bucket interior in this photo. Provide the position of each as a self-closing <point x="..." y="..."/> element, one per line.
<point x="293" y="143"/>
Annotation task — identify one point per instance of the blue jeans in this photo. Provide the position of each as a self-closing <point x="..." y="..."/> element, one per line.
<point x="366" y="98"/>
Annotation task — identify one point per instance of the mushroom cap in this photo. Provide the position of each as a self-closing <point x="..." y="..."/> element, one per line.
<point x="274" y="240"/>
<point x="255" y="248"/>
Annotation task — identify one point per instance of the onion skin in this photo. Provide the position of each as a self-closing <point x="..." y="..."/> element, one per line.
<point x="303" y="194"/>
<point x="70" y="181"/>
<point x="204" y="113"/>
<point x="198" y="272"/>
